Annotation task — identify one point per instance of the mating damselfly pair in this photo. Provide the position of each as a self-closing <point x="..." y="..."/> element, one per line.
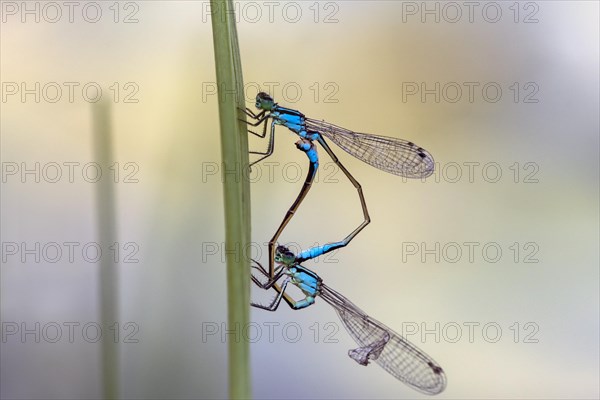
<point x="377" y="342"/>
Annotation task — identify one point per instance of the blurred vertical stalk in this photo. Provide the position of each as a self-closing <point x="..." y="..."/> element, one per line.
<point x="234" y="155"/>
<point x="108" y="274"/>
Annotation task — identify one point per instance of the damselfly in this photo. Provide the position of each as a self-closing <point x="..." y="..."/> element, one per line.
<point x="376" y="341"/>
<point x="396" y="156"/>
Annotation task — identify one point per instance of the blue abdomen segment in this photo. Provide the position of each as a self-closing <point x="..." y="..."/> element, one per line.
<point x="317" y="251"/>
<point x="310" y="149"/>
<point x="313" y="156"/>
<point x="304" y="302"/>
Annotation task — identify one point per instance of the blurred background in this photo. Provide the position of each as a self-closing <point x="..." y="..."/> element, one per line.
<point x="490" y="265"/>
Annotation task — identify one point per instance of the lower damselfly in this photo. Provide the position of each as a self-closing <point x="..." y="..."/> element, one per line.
<point x="376" y="342"/>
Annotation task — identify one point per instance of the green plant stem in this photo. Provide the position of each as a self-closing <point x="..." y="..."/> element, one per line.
<point x="108" y="273"/>
<point x="236" y="190"/>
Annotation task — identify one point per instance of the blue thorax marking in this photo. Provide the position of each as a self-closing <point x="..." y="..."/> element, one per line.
<point x="289" y="111"/>
<point x="292" y="119"/>
<point x="311" y="135"/>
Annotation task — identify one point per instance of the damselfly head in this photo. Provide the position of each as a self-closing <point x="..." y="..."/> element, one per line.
<point x="283" y="255"/>
<point x="264" y="101"/>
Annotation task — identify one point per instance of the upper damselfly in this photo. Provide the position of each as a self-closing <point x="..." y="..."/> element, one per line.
<point x="393" y="155"/>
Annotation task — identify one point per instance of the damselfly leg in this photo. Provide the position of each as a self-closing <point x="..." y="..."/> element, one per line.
<point x="270" y="145"/>
<point x="263" y="119"/>
<point x="295" y="305"/>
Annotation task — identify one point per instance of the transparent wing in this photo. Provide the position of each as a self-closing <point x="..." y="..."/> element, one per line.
<point x="387" y="348"/>
<point x="396" y="156"/>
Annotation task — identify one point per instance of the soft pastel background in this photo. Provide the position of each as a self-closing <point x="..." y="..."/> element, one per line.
<point x="174" y="213"/>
